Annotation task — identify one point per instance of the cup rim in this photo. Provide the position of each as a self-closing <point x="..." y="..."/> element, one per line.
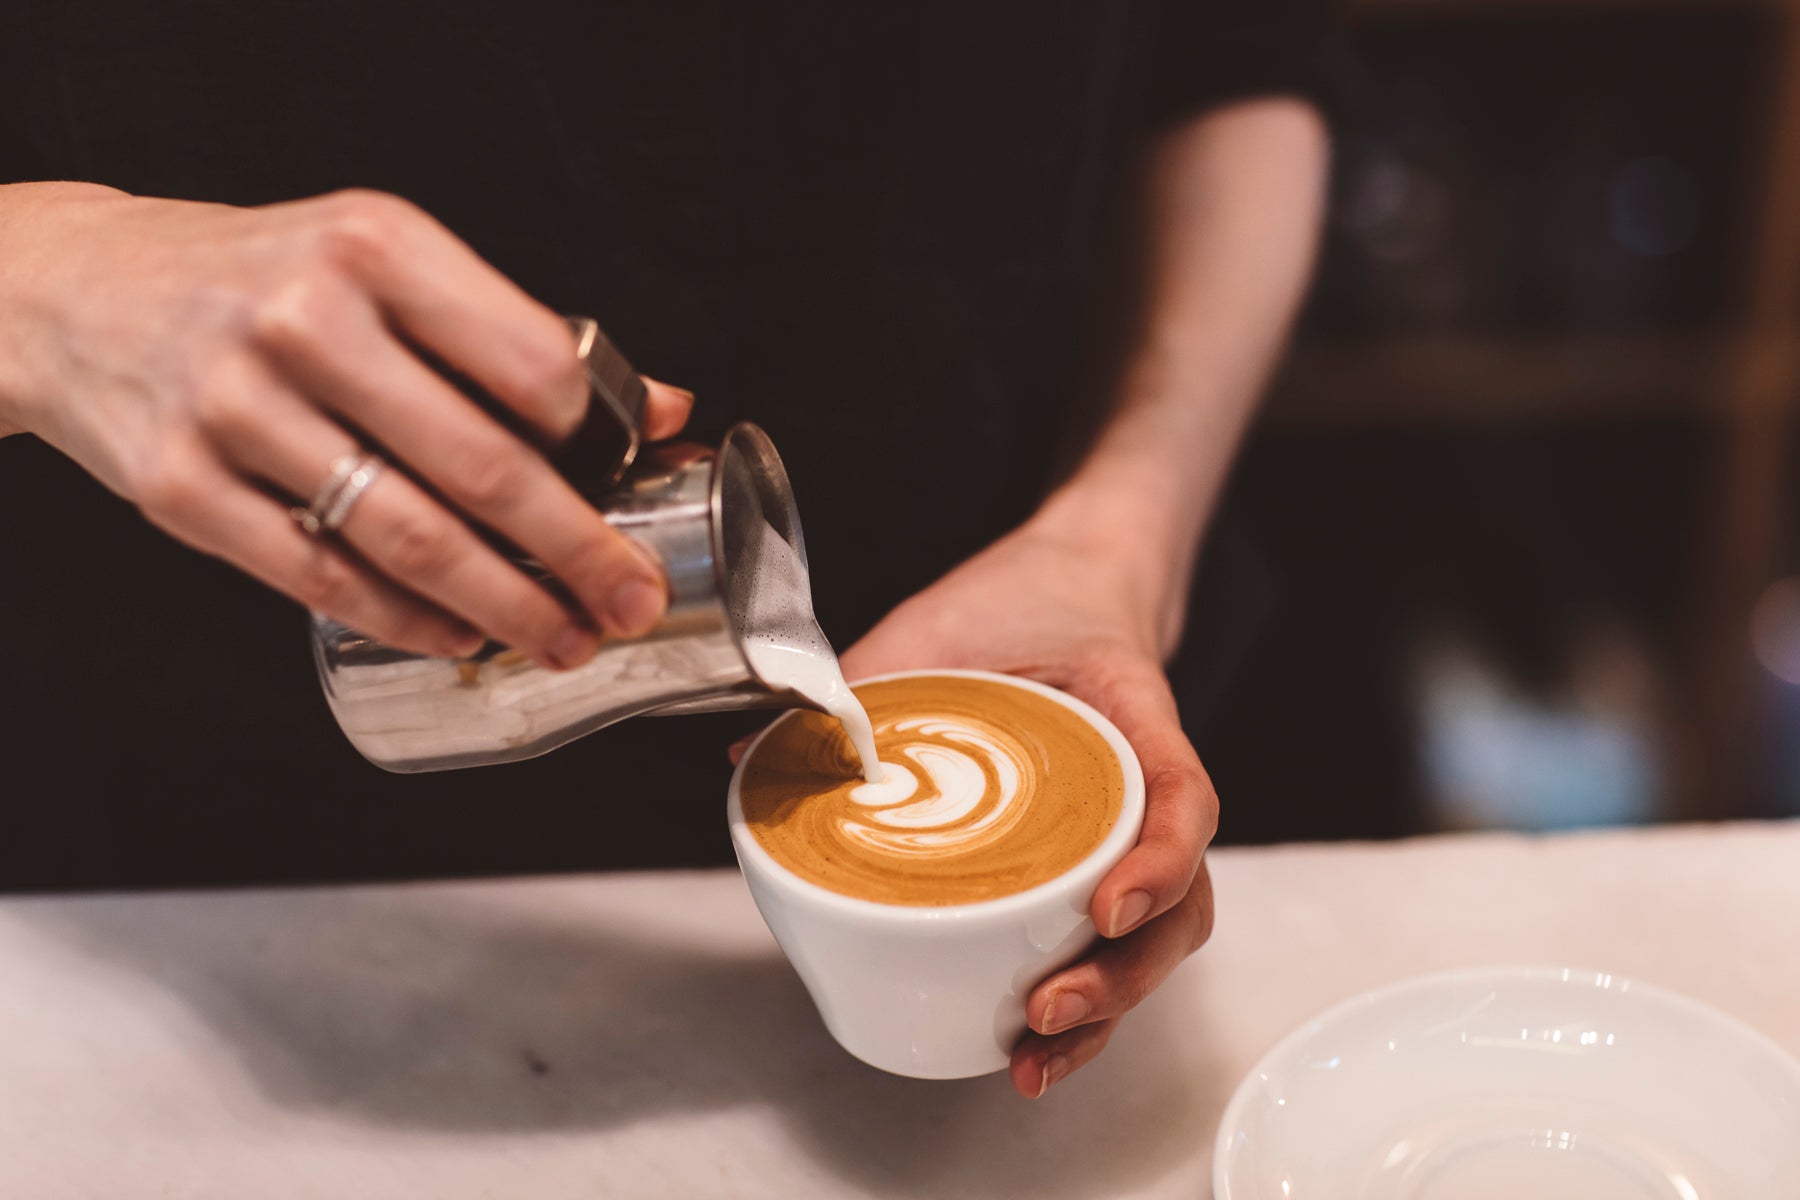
<point x="1102" y="858"/>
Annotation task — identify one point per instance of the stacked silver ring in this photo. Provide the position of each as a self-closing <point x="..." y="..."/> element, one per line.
<point x="349" y="477"/>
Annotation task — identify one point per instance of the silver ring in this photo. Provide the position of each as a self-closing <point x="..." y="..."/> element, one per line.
<point x="344" y="484"/>
<point x="367" y="470"/>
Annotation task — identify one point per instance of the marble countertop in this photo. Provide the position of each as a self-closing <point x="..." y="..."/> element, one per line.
<point x="640" y="1035"/>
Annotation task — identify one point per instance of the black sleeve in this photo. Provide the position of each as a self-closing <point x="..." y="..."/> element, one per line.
<point x="1204" y="53"/>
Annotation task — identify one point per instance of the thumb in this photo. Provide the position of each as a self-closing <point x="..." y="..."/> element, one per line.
<point x="666" y="409"/>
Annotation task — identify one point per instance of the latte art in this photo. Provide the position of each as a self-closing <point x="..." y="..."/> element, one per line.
<point x="948" y="788"/>
<point x="985" y="789"/>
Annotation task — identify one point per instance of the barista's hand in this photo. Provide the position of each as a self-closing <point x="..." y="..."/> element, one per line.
<point x="1046" y="606"/>
<point x="210" y="363"/>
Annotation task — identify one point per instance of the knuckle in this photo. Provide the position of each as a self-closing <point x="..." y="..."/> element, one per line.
<point x="1186" y="780"/>
<point x="325" y="582"/>
<point x="1200" y="906"/>
<point x="1203" y="927"/>
<point x="295" y="314"/>
<point x="416" y="632"/>
<point x="1170" y="826"/>
<point x="533" y="621"/>
<point x="362" y="225"/>
<point x="1209" y="806"/>
<point x="421" y="547"/>
<point x="1131" y="988"/>
<point x="493" y="474"/>
<point x="596" y="558"/>
<point x="223" y="405"/>
<point x="166" y="488"/>
<point x="1096" y="1041"/>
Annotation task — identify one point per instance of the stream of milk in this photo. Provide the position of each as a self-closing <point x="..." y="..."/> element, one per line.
<point x="772" y="609"/>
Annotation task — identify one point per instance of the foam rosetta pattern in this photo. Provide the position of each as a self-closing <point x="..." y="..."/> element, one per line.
<point x="949" y="788"/>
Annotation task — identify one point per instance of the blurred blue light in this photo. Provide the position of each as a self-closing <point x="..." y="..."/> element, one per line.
<point x="1653" y="207"/>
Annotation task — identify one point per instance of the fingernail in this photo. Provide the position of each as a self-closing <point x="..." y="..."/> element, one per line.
<point x="1127" y="911"/>
<point x="463" y="642"/>
<point x="1055" y="1067"/>
<point x="635" y="607"/>
<point x="1065" y="1009"/>
<point x="572" y="647"/>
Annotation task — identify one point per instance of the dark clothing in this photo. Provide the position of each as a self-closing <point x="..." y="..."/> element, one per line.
<point x="874" y="232"/>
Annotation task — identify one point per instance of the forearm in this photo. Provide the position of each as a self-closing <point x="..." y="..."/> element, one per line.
<point x="1232" y="203"/>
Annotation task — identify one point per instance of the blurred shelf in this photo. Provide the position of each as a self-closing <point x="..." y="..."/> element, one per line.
<point x="1438" y="380"/>
<point x="1439" y="8"/>
<point x="1744" y="380"/>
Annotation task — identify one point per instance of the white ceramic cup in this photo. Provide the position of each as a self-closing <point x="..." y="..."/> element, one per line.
<point x="935" y="992"/>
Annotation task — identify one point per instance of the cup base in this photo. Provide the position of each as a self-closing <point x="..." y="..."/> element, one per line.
<point x="961" y="1068"/>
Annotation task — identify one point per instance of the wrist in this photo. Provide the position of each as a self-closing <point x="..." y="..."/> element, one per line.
<point x="1142" y="497"/>
<point x="1126" y="537"/>
<point x="1116" y="524"/>
<point x="29" y="237"/>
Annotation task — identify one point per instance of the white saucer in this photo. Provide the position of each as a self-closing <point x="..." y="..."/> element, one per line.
<point x="1522" y="1083"/>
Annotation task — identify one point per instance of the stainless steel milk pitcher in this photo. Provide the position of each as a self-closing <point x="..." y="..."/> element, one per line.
<point x="712" y="517"/>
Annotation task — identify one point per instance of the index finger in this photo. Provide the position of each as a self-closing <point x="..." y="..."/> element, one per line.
<point x="339" y="352"/>
<point x="1181" y="809"/>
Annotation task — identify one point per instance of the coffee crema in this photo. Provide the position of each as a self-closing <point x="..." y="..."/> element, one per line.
<point x="987" y="789"/>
